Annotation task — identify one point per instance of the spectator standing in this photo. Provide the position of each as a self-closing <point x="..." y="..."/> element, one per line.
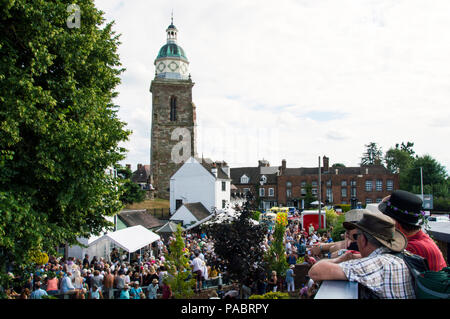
<point x="108" y="284"/>
<point x="290" y="278"/>
<point x="95" y="293"/>
<point x="135" y="291"/>
<point x="273" y="281"/>
<point x="406" y="209"/>
<point x="52" y="284"/>
<point x="166" y="290"/>
<point x="153" y="289"/>
<point x="125" y="294"/>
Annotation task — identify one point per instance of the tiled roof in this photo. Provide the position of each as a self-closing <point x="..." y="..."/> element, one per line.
<point x="198" y="210"/>
<point x="139" y="217"/>
<point x="141" y="175"/>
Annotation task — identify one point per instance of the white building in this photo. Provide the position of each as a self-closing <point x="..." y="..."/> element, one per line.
<point x="200" y="181"/>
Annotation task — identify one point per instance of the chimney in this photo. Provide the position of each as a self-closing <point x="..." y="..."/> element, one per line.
<point x="263" y="163"/>
<point x="326" y="163"/>
<point x="336" y="171"/>
<point x="367" y="171"/>
<point x="283" y="165"/>
<point x="214" y="169"/>
<point x="139" y="166"/>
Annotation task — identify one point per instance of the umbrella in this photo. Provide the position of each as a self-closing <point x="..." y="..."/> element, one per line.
<point x="316" y="203"/>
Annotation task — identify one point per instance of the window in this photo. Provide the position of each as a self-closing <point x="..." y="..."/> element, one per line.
<point x="261" y="192"/>
<point x="379" y="185"/>
<point x="329" y="195"/>
<point x="368" y="200"/>
<point x="246" y="190"/>
<point x="178" y="203"/>
<point x="303" y="191"/>
<point x="224" y="186"/>
<point x="289" y="193"/>
<point x="271" y="192"/>
<point x="389" y="185"/>
<point x="244" y="179"/>
<point x="368" y="186"/>
<point x="288" y="184"/>
<point x="224" y="203"/>
<point x="352" y="183"/>
<point x="344" y="192"/>
<point x="343" y="183"/>
<point x="173" y="108"/>
<point x="329" y="182"/>
<point x="353" y="192"/>
<point x="314" y="183"/>
<point x="378" y="200"/>
<point x="303" y="184"/>
<point x="264" y="179"/>
<point x="314" y="191"/>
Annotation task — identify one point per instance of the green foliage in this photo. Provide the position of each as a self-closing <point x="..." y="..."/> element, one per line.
<point x="338" y="228"/>
<point x="131" y="192"/>
<point x="59" y="127"/>
<point x="441" y="204"/>
<point x="435" y="179"/>
<point x="275" y="256"/>
<point x="177" y="264"/>
<point x="271" y="295"/>
<point x="331" y="217"/>
<point x="372" y="156"/>
<point x="255" y="215"/>
<point x="345" y="207"/>
<point x="309" y="198"/>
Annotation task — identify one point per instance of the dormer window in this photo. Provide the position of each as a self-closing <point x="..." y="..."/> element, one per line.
<point x="264" y="179"/>
<point x="244" y="179"/>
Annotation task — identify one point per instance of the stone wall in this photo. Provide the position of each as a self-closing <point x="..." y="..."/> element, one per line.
<point x="162" y="146"/>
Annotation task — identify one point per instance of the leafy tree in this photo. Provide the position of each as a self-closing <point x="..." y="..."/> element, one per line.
<point x="131" y="192"/>
<point x="275" y="257"/>
<point x="372" y="156"/>
<point x="309" y="198"/>
<point x="239" y="243"/>
<point x="337" y="165"/>
<point x="179" y="269"/>
<point x="399" y="160"/>
<point x="435" y="179"/>
<point x="59" y="127"/>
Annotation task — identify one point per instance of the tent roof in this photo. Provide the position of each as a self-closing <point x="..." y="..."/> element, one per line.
<point x="169" y="227"/>
<point x="131" y="238"/>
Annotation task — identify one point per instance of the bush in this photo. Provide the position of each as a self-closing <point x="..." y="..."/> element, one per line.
<point x="338" y="229"/>
<point x="345" y="207"/>
<point x="255" y="215"/>
<point x="271" y="295"/>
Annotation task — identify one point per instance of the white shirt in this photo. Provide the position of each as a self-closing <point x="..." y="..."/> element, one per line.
<point x="197" y="264"/>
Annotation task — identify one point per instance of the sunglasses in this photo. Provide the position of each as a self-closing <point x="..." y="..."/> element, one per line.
<point x="355" y="236"/>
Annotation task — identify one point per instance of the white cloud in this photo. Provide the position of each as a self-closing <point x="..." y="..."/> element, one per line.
<point x="382" y="64"/>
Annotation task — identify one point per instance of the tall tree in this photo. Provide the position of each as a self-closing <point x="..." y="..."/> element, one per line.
<point x="399" y="160"/>
<point x="372" y="156"/>
<point x="59" y="127"/>
<point x="435" y="178"/>
<point x="239" y="243"/>
<point x="275" y="257"/>
<point x="131" y="192"/>
<point x="179" y="269"/>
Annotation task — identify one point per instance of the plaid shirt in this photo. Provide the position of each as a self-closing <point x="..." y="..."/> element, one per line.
<point x="383" y="273"/>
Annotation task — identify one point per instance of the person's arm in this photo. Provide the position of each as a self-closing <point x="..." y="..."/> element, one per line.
<point x="329" y="269"/>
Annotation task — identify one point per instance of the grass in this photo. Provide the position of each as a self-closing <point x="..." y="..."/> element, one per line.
<point x="150" y="204"/>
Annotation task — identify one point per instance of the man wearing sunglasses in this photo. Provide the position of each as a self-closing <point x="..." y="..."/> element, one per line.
<point x="336" y="249"/>
<point x="382" y="273"/>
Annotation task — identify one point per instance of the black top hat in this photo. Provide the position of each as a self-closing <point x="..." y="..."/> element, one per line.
<point x="404" y="207"/>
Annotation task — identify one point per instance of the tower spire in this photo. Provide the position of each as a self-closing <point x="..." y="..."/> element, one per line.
<point x="171" y="19"/>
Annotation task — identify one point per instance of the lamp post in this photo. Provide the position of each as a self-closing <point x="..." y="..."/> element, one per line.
<point x="320" y="197"/>
<point x="421" y="182"/>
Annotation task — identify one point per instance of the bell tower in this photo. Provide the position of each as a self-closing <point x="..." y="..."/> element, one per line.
<point x="173" y="129"/>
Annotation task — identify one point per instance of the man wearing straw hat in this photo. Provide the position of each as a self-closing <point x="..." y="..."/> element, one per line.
<point x="378" y="269"/>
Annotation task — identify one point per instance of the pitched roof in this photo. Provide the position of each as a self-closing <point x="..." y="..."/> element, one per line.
<point x="198" y="210"/>
<point x="141" y="175"/>
<point x="254" y="173"/>
<point x="139" y="217"/>
<point x="169" y="227"/>
<point x="301" y="171"/>
<point x="209" y="165"/>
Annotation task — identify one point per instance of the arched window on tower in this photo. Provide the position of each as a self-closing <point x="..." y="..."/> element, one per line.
<point x="173" y="108"/>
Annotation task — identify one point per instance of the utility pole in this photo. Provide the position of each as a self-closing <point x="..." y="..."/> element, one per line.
<point x="320" y="196"/>
<point x="421" y="182"/>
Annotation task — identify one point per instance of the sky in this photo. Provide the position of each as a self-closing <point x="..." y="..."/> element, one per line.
<point x="293" y="79"/>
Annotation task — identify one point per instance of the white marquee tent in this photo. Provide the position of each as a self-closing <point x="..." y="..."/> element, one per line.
<point x="130" y="239"/>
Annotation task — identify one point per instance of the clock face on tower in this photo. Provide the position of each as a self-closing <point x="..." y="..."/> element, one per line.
<point x="161" y="66"/>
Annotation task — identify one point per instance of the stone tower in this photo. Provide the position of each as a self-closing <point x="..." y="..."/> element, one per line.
<point x="173" y="132"/>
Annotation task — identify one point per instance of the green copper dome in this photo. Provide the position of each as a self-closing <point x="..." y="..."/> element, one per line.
<point x="171" y="50"/>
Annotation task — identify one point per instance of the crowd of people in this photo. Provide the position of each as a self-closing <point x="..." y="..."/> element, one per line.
<point x="366" y="243"/>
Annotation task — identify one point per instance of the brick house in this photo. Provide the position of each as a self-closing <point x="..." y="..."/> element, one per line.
<point x="287" y="186"/>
